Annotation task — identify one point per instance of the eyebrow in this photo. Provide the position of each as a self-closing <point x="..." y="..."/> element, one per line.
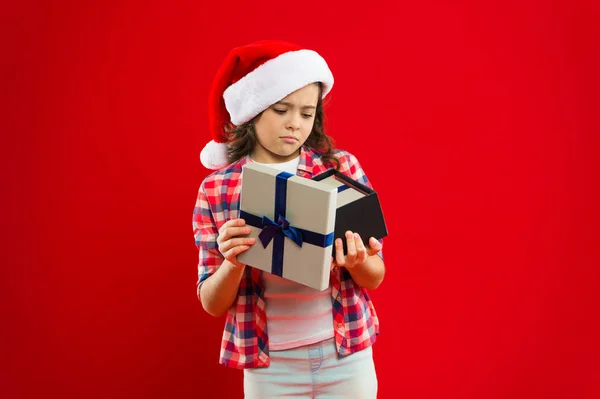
<point x="292" y="105"/>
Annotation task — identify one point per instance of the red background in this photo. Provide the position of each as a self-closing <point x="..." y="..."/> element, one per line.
<point x="477" y="122"/>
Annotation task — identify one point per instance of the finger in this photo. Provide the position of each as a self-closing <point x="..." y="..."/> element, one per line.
<point x="374" y="246"/>
<point x="232" y="254"/>
<point x="339" y="252"/>
<point x="351" y="255"/>
<point x="232" y="223"/>
<point x="361" y="251"/>
<point x="231" y="232"/>
<point x="234" y="242"/>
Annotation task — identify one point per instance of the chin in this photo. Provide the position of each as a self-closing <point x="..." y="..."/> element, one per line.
<point x="289" y="153"/>
<point x="286" y="152"/>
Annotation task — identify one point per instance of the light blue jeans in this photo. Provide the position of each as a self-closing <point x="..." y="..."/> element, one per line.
<point x="313" y="371"/>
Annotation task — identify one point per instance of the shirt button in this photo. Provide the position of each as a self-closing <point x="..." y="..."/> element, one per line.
<point x="335" y="269"/>
<point x="340" y="325"/>
<point x="339" y="298"/>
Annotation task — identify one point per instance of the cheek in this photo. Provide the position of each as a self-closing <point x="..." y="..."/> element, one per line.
<point x="308" y="125"/>
<point x="267" y="127"/>
<point x="261" y="129"/>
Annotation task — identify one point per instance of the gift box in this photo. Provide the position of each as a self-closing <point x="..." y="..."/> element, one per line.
<point x="357" y="208"/>
<point x="292" y="219"/>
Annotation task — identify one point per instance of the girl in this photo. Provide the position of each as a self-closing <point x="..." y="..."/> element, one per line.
<point x="291" y="340"/>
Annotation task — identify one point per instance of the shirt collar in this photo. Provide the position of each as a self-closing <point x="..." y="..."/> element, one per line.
<point x="306" y="160"/>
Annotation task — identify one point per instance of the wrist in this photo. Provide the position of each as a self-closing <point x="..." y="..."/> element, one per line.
<point x="233" y="267"/>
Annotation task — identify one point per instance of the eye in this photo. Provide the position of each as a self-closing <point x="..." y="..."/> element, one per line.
<point x="307" y="116"/>
<point x="279" y="111"/>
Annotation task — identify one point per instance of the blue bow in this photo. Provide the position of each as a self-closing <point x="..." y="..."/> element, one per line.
<point x="270" y="228"/>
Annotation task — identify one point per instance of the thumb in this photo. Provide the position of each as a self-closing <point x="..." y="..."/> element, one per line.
<point x="374" y="246"/>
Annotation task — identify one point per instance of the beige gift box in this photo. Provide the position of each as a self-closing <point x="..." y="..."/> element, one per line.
<point x="292" y="219"/>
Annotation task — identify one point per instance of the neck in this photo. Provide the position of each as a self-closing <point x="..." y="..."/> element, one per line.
<point x="269" y="157"/>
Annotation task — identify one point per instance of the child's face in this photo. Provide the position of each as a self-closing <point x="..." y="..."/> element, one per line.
<point x="283" y="127"/>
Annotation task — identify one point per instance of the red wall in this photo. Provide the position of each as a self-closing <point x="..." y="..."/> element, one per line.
<point x="476" y="122"/>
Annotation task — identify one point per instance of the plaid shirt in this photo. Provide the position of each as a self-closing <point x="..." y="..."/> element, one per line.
<point x="245" y="342"/>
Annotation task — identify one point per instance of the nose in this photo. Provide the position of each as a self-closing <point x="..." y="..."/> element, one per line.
<point x="293" y="122"/>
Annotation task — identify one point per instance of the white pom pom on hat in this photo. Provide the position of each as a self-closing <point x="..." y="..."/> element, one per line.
<point x="251" y="78"/>
<point x="214" y="155"/>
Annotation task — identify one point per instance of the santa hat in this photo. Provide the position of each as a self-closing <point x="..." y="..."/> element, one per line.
<point x="252" y="78"/>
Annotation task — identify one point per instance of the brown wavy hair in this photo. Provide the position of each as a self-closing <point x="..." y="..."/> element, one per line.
<point x="242" y="138"/>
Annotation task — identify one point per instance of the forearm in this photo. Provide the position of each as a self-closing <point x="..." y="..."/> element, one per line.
<point x="219" y="291"/>
<point x="369" y="274"/>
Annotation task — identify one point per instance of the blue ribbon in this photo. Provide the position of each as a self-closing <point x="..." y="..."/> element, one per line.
<point x="270" y="228"/>
<point x="278" y="231"/>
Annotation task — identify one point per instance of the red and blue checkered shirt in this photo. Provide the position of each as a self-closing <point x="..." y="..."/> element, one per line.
<point x="245" y="342"/>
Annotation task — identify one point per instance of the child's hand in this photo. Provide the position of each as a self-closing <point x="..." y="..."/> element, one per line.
<point x="230" y="245"/>
<point x="357" y="252"/>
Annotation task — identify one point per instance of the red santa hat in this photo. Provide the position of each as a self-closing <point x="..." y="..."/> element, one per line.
<point x="252" y="78"/>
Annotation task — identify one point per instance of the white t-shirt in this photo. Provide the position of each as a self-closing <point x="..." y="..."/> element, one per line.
<point x="297" y="315"/>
